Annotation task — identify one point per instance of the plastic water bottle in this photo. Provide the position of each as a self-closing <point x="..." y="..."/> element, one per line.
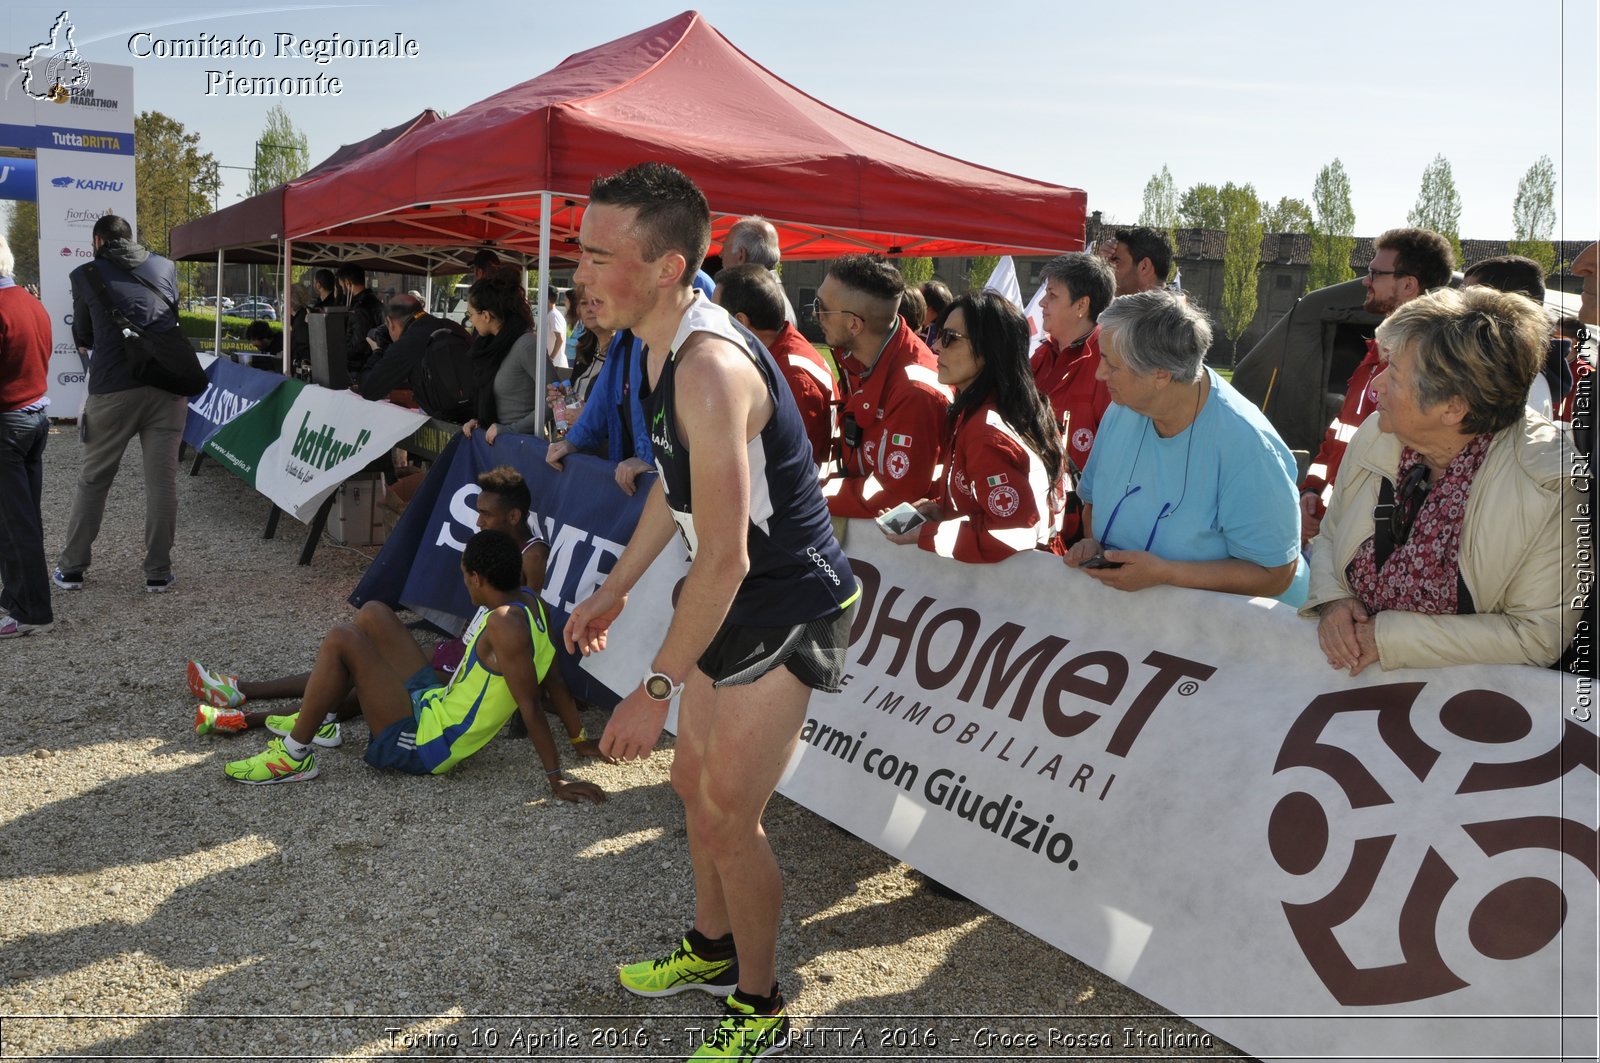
<point x="559" y="410"/>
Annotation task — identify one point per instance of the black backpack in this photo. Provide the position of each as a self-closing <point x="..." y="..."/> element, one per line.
<point x="442" y="383"/>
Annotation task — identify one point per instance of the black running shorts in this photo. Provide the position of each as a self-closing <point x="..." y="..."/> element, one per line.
<point x="814" y="651"/>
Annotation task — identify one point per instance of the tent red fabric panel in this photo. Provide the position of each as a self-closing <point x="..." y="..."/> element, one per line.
<point x="680" y="92"/>
<point x="255" y="225"/>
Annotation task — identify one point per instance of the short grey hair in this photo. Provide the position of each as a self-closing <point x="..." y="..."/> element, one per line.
<point x="1083" y="275"/>
<point x="8" y="261"/>
<point x="1157" y="329"/>
<point x="757" y="238"/>
<point x="1480" y="345"/>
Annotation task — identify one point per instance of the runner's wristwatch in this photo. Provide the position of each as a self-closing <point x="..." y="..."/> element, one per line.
<point x="658" y="686"/>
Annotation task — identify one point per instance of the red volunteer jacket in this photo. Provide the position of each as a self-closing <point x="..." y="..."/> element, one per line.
<point x="813" y="386"/>
<point x="1066" y="378"/>
<point x="1358" y="405"/>
<point x="901" y="409"/>
<point x="995" y="491"/>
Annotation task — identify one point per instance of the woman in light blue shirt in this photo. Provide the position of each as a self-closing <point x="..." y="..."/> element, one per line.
<point x="1189" y="484"/>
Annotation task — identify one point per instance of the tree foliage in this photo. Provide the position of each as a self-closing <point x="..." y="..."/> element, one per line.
<point x="1533" y="214"/>
<point x="22" y="233"/>
<point x="1201" y="207"/>
<point x="1161" y="206"/>
<point x="1288" y="216"/>
<point x="177" y="182"/>
<point x="915" y="270"/>
<point x="1241" y="257"/>
<point x="1438" y="204"/>
<point x="978" y="269"/>
<point x="281" y="152"/>
<point x="1160" y="201"/>
<point x="1333" y="227"/>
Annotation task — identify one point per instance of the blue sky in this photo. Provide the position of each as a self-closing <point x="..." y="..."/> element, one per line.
<point x="1098" y="96"/>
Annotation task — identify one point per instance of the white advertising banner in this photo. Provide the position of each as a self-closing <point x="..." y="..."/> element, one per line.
<point x="297" y="445"/>
<point x="1173" y="787"/>
<point x="84" y="147"/>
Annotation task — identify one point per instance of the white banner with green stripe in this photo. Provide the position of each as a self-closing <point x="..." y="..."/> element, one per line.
<point x="300" y="443"/>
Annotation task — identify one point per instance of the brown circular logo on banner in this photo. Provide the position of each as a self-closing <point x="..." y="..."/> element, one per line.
<point x="1512" y="919"/>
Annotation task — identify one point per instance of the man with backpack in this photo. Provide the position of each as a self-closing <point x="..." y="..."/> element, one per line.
<point x="427" y="354"/>
<point x="143" y="288"/>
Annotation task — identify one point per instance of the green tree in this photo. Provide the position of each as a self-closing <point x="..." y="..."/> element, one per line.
<point x="1160" y="201"/>
<point x="1333" y="227"/>
<point x="22" y="233"/>
<point x="978" y="269"/>
<point x="1438" y="204"/>
<point x="1533" y="214"/>
<point x="1161" y="205"/>
<point x="1288" y="216"/>
<point x="177" y="182"/>
<point x="281" y="152"/>
<point x="1201" y="207"/>
<point x="1241" y="258"/>
<point x="915" y="270"/>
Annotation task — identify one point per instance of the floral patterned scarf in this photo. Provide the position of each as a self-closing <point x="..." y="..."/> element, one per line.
<point x="1422" y="575"/>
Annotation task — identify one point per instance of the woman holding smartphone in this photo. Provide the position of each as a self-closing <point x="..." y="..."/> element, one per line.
<point x="999" y="494"/>
<point x="1189" y="484"/>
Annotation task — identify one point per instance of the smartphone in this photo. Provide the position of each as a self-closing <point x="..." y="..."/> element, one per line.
<point x="1099" y="561"/>
<point x="901" y="519"/>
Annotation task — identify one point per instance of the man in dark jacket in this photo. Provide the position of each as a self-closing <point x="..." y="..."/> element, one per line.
<point x="410" y="330"/>
<point x="118" y="407"/>
<point x="326" y="289"/>
<point x="366" y="314"/>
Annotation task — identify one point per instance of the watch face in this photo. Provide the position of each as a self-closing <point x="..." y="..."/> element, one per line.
<point x="658" y="687"/>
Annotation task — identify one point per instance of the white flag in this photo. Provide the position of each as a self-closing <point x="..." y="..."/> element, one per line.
<point x="1004" y="281"/>
<point x="1035" y="317"/>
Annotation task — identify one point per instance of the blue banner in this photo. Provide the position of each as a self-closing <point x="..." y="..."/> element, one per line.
<point x="234" y="389"/>
<point x="66" y="139"/>
<point x="582" y="513"/>
<point x="19" y="179"/>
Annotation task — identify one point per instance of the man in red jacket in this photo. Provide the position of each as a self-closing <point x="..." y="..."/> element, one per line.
<point x="1408" y="263"/>
<point x="752" y="294"/>
<point x="892" y="422"/>
<point x="24" y="379"/>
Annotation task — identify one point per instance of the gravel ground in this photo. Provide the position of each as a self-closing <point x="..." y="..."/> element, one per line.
<point x="155" y="910"/>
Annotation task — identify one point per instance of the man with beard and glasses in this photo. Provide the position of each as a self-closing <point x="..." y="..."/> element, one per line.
<point x="1408" y="263"/>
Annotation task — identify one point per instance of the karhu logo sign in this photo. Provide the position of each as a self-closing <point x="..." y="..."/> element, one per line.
<point x="87" y="184"/>
<point x="1449" y="888"/>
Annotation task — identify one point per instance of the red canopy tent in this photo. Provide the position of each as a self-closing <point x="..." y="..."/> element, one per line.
<point x="513" y="169"/>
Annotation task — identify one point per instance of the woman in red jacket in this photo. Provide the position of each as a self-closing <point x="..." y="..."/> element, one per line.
<point x="999" y="491"/>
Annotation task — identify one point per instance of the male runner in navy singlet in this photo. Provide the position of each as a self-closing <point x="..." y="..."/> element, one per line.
<point x="764" y="615"/>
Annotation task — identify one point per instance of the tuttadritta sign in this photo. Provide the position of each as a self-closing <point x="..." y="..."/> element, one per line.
<point x="78" y="122"/>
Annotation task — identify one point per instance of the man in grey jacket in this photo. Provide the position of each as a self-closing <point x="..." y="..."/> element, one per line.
<point x="119" y="408"/>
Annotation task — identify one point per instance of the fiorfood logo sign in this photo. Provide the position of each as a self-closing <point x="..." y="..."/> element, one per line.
<point x="1454" y="902"/>
<point x="53" y="70"/>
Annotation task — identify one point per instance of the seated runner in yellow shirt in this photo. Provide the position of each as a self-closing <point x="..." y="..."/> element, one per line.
<point x="417" y="725"/>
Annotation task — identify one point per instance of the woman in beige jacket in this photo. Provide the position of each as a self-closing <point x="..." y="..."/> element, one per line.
<point x="1451" y="535"/>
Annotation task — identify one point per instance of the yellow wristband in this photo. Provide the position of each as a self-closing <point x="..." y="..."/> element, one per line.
<point x="581" y="737"/>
